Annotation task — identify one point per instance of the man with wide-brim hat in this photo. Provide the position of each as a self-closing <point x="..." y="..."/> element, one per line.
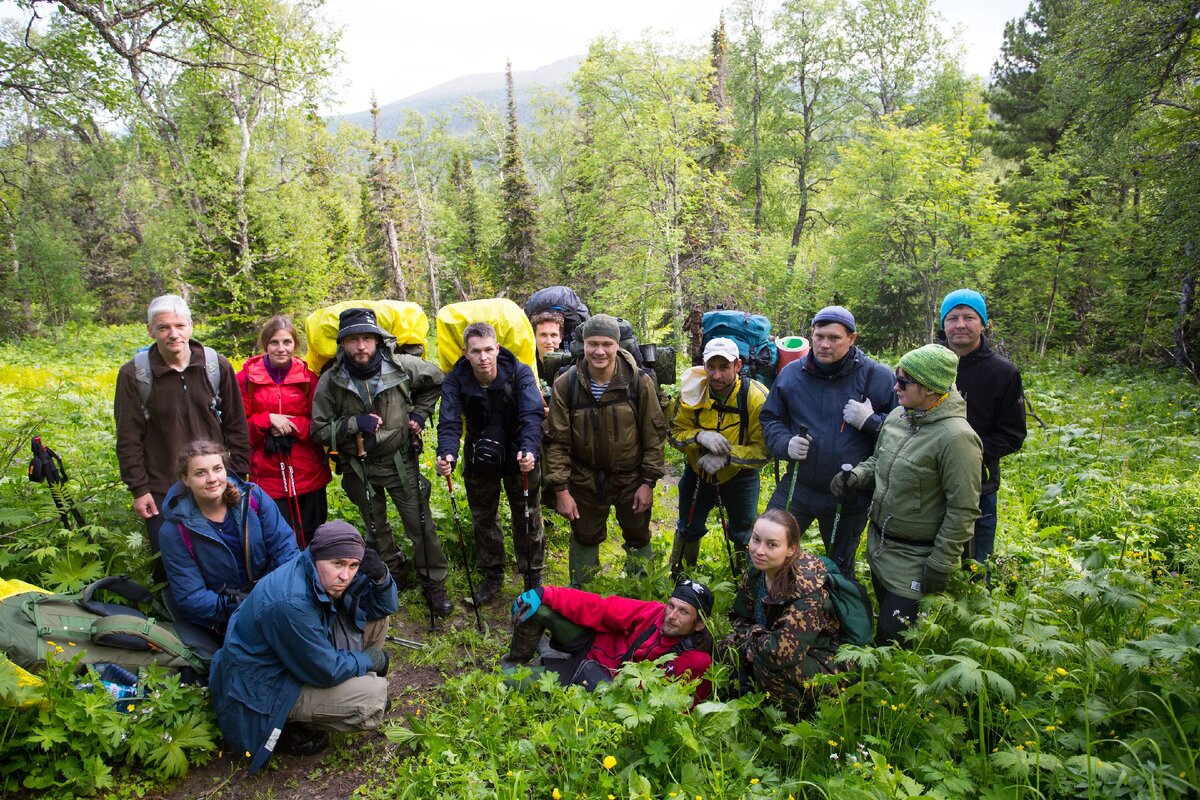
<point x="926" y="469"/>
<point x="370" y="407"/>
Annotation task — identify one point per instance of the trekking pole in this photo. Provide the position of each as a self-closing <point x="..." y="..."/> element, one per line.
<point x="795" y="471"/>
<point x="725" y="530"/>
<point x="528" y="526"/>
<point x="46" y="467"/>
<point x="289" y="488"/>
<point x="296" y="501"/>
<point x="462" y="545"/>
<point x="837" y="512"/>
<point x="412" y="644"/>
<point x="415" y="448"/>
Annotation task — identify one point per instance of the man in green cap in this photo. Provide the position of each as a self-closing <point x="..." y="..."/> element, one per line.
<point x="604" y="448"/>
<point x="926" y="469"/>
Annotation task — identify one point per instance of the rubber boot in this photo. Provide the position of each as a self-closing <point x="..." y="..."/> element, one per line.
<point x="637" y="560"/>
<point x="584" y="562"/>
<point x="525" y="639"/>
<point x="493" y="582"/>
<point x="683" y="552"/>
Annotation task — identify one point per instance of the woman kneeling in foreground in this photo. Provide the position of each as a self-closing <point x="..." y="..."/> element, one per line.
<point x="785" y="628"/>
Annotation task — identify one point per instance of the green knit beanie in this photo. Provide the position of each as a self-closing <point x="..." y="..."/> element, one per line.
<point x="602" y="325"/>
<point x="933" y="366"/>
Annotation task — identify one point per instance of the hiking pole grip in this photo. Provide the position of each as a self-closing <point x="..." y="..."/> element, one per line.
<point x="803" y="431"/>
<point x="358" y="441"/>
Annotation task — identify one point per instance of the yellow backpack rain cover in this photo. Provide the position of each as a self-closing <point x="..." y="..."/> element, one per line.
<point x="406" y="321"/>
<point x="512" y="329"/>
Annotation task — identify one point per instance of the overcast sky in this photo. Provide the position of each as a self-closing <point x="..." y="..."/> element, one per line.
<point x="395" y="49"/>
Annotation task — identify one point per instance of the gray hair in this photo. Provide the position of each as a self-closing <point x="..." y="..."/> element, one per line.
<point x="168" y="304"/>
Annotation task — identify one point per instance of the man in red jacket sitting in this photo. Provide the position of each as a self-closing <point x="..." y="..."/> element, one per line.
<point x="599" y="634"/>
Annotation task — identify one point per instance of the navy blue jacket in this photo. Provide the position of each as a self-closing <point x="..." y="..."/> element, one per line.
<point x="802" y="395"/>
<point x="196" y="582"/>
<point x="464" y="399"/>
<point x="279" y="640"/>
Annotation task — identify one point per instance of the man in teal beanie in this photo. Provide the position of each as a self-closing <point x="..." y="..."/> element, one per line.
<point x="991" y="385"/>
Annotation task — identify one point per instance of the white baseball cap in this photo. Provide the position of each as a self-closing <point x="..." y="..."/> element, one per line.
<point x="726" y="348"/>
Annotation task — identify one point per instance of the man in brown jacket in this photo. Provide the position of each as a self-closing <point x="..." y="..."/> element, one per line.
<point x="165" y="399"/>
<point x="604" y="448"/>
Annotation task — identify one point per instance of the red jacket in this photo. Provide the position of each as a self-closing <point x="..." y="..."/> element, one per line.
<point x="262" y="398"/>
<point x="618" y="623"/>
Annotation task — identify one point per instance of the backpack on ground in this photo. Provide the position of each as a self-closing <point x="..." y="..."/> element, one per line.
<point x="563" y="300"/>
<point x="36" y="624"/>
<point x="751" y="333"/>
<point x="145" y="379"/>
<point x="405" y="321"/>
<point x="850" y="603"/>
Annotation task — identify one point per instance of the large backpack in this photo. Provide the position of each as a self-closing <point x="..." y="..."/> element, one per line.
<point x="513" y="330"/>
<point x="563" y="300"/>
<point x="35" y="624"/>
<point x="628" y="342"/>
<point x="144" y="378"/>
<point x="405" y="321"/>
<point x="751" y="333"/>
<point x="850" y="603"/>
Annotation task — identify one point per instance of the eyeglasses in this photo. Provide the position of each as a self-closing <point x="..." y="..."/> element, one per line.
<point x="903" y="383"/>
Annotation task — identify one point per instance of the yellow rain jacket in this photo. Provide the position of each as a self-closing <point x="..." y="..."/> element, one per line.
<point x="697" y="410"/>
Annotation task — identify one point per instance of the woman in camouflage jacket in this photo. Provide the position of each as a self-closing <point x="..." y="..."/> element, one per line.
<point x="785" y="628"/>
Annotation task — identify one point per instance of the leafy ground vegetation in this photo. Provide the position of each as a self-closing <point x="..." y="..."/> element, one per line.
<point x="1077" y="676"/>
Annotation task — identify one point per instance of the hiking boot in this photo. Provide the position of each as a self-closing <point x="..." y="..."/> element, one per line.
<point x="436" y="596"/>
<point x="493" y="582"/>
<point x="525" y="639"/>
<point x="402" y="575"/>
<point x="300" y="740"/>
<point x="533" y="579"/>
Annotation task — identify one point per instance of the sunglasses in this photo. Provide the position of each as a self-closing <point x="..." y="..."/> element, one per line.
<point x="903" y="383"/>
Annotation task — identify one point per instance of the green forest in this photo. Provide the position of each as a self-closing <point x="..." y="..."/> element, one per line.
<point x="810" y="152"/>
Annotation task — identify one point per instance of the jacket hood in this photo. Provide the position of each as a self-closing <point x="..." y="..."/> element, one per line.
<point x="853" y="359"/>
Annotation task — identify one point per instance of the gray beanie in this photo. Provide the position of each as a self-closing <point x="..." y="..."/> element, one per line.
<point x="602" y="325"/>
<point x="336" y="539"/>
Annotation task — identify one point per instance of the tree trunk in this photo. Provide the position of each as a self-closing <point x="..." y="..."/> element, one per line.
<point x="758" y="186"/>
<point x="1186" y="291"/>
<point x="399" y="284"/>
<point x="434" y="298"/>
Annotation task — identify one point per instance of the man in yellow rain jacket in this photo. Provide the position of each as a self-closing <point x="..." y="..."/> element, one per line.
<point x="716" y="426"/>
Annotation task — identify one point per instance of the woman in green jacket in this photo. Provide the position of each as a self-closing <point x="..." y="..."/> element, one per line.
<point x="926" y="470"/>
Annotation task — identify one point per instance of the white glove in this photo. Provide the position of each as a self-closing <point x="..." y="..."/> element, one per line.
<point x="798" y="447"/>
<point x="714" y="442"/>
<point x="857" y="412"/>
<point x="711" y="463"/>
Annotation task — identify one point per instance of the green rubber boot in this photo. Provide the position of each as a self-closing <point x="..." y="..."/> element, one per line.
<point x="637" y="560"/>
<point x="683" y="552"/>
<point x="584" y="562"/>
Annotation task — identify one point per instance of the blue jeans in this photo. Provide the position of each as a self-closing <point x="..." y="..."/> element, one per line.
<point x="985" y="528"/>
<point x="739" y="495"/>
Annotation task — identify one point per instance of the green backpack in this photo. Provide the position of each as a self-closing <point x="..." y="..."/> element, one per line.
<point x="34" y="625"/>
<point x="850" y="603"/>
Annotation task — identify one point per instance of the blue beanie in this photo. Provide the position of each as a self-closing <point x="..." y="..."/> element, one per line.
<point x="835" y="314"/>
<point x="965" y="297"/>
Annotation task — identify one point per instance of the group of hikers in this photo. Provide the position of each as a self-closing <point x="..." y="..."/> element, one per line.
<point x="229" y="471"/>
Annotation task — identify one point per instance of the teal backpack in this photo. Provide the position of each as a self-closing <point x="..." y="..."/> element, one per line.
<point x="850" y="603"/>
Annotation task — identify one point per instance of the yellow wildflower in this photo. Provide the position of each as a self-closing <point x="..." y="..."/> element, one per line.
<point x="753" y="781"/>
<point x="556" y="794"/>
<point x="1062" y="673"/>
<point x="609" y="762"/>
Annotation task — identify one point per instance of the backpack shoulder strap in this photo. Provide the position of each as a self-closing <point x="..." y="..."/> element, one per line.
<point x="135" y="633"/>
<point x="186" y="535"/>
<point x="572" y="386"/>
<point x="120" y="585"/>
<point x="212" y="369"/>
<point x="743" y="404"/>
<point x="638" y="642"/>
<point x="141" y="373"/>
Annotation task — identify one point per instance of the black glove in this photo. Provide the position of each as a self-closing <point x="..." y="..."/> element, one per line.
<point x="379" y="660"/>
<point x="373" y="567"/>
<point x="367" y="423"/>
<point x="278" y="445"/>
<point x="934" y="580"/>
<point x="234" y="597"/>
<point x="843" y="485"/>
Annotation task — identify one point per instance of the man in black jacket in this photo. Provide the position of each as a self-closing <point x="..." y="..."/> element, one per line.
<point x="497" y="397"/>
<point x="991" y="385"/>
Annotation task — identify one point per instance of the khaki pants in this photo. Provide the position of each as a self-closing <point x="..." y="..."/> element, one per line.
<point x="353" y="705"/>
<point x="592" y="526"/>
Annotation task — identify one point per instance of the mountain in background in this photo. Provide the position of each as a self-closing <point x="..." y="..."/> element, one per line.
<point x="446" y="98"/>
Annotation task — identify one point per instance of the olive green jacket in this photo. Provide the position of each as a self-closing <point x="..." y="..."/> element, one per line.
<point x="926" y="469"/>
<point x="407" y="387"/>
<point x="585" y="438"/>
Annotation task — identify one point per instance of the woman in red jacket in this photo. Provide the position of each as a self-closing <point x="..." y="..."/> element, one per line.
<point x="277" y="390"/>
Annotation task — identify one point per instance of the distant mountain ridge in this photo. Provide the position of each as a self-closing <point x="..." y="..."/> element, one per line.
<point x="445" y="98"/>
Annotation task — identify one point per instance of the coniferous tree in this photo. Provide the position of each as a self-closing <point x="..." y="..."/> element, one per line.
<point x="518" y="243"/>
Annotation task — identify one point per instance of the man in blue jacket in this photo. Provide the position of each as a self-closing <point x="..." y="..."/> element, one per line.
<point x="498" y="399"/>
<point x="303" y="654"/>
<point x="825" y="411"/>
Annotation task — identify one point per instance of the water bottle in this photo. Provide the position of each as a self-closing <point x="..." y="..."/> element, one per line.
<point x="117" y="674"/>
